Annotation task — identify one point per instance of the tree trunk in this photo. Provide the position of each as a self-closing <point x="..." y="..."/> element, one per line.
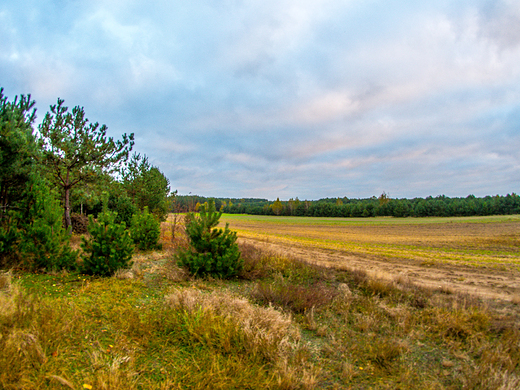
<point x="3" y="201"/>
<point x="68" y="222"/>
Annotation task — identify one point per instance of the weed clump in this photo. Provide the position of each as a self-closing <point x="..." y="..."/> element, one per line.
<point x="5" y="281"/>
<point x="294" y="297"/>
<point x="266" y="331"/>
<point x="257" y="263"/>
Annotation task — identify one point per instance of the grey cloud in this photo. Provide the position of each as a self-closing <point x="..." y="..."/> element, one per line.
<point x="500" y="22"/>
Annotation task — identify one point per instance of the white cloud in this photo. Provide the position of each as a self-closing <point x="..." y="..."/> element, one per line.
<point x="287" y="98"/>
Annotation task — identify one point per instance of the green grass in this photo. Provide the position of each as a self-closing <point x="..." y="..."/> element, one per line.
<point x="284" y="324"/>
<point x="335" y="221"/>
<point x="113" y="333"/>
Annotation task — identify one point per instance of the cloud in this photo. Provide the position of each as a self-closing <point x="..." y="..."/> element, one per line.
<point x="286" y="98"/>
<point x="499" y="21"/>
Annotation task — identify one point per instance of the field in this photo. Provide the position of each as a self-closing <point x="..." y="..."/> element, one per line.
<point x="470" y="254"/>
<point x="320" y="304"/>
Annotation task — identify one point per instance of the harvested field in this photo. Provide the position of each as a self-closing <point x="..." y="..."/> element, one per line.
<point x="476" y="255"/>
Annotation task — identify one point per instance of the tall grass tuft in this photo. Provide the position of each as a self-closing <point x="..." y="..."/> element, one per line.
<point x="294" y="297"/>
<point x="264" y="331"/>
<point x="228" y="324"/>
<point x="5" y="281"/>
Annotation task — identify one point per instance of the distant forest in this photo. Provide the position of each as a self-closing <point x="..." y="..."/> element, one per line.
<point x="440" y="206"/>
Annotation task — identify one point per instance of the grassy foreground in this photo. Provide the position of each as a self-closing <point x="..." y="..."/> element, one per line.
<point x="284" y="324"/>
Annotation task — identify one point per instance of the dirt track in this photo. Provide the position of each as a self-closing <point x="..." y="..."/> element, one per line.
<point x="484" y="282"/>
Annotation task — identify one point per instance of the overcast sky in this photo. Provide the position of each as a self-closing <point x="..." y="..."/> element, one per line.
<point x="286" y="98"/>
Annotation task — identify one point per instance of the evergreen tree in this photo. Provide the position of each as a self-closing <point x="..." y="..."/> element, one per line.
<point x="18" y="150"/>
<point x="76" y="150"/>
<point x="109" y="247"/>
<point x="45" y="243"/>
<point x="31" y="232"/>
<point x="213" y="251"/>
<point x="147" y="186"/>
<point x="145" y="230"/>
<point x="30" y="222"/>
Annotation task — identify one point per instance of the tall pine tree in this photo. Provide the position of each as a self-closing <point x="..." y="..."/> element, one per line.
<point x="75" y="150"/>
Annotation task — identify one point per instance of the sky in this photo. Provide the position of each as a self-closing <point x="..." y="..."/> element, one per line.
<point x="286" y="98"/>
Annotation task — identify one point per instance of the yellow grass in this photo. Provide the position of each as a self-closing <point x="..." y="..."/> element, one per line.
<point x="476" y="241"/>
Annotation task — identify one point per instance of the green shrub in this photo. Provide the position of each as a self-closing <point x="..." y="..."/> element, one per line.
<point x="109" y="248"/>
<point x="32" y="233"/>
<point x="145" y="230"/>
<point x="122" y="204"/>
<point x="10" y="238"/>
<point x="45" y="242"/>
<point x="212" y="251"/>
<point x="46" y="248"/>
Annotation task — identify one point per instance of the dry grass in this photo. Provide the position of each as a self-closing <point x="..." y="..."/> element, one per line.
<point x="261" y="263"/>
<point x="109" y="338"/>
<point x="5" y="281"/>
<point x="266" y="331"/>
<point x="258" y="264"/>
<point x="172" y="233"/>
<point x="296" y="298"/>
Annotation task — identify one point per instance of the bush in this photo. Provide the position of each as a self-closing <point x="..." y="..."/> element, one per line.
<point x="295" y="297"/>
<point x="10" y="237"/>
<point x="123" y="206"/>
<point x="110" y="247"/>
<point x="257" y="263"/>
<point x="46" y="247"/>
<point x="39" y="238"/>
<point x="145" y="230"/>
<point x="213" y="251"/>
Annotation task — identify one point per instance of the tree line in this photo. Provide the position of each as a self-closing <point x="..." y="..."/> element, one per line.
<point x="439" y="206"/>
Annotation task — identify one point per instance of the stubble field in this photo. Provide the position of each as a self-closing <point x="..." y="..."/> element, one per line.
<point x="477" y="255"/>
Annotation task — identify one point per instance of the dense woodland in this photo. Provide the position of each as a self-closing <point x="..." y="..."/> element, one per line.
<point x="440" y="206"/>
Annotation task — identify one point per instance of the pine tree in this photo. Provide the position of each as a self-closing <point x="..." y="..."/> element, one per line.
<point x="213" y="251"/>
<point x="18" y="149"/>
<point x="76" y="150"/>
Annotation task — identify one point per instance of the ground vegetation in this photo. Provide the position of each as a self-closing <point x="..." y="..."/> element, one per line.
<point x="284" y="324"/>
